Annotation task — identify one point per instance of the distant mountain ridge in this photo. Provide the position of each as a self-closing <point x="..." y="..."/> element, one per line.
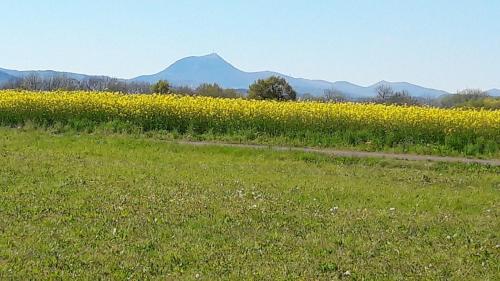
<point x="195" y="70"/>
<point x="45" y="74"/>
<point x="494" y="92"/>
<point x="212" y="68"/>
<point x="5" y="77"/>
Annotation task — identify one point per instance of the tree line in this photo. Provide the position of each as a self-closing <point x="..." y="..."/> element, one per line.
<point x="35" y="82"/>
<point x="385" y="94"/>
<point x="274" y="88"/>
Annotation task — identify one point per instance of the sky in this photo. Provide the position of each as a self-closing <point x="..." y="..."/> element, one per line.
<point x="447" y="45"/>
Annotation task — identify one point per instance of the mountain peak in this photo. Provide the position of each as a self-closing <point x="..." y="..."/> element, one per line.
<point x="208" y="62"/>
<point x="384" y="82"/>
<point x="212" y="58"/>
<point x="213" y="55"/>
<point x="195" y="70"/>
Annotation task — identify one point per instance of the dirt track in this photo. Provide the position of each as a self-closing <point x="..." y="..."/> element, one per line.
<point x="356" y="154"/>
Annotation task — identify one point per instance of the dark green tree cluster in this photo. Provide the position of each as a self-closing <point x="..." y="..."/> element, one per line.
<point x="214" y="90"/>
<point x="161" y="87"/>
<point x="272" y="88"/>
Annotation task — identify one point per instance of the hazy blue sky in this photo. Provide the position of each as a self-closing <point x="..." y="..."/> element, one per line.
<point x="443" y="44"/>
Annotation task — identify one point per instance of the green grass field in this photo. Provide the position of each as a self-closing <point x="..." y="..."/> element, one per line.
<point x="98" y="206"/>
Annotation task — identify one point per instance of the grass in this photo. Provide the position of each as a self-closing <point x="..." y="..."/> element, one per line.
<point x="99" y="206"/>
<point x="353" y="142"/>
<point x="371" y="127"/>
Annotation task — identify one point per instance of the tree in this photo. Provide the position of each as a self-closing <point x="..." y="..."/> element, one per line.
<point x="308" y="97"/>
<point x="384" y="92"/>
<point x="161" y="87"/>
<point x="60" y="82"/>
<point x="333" y="95"/>
<point x="467" y="97"/>
<point x="16" y="83"/>
<point x="275" y="88"/>
<point x="402" y="98"/>
<point x="32" y="82"/>
<point x="472" y="93"/>
<point x="209" y="90"/>
<point x="183" y="90"/>
<point x="386" y="95"/>
<point x="214" y="90"/>
<point x="94" y="84"/>
<point x="116" y="85"/>
<point x="231" y="94"/>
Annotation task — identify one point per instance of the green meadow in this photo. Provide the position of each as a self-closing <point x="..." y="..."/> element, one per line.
<point x="116" y="206"/>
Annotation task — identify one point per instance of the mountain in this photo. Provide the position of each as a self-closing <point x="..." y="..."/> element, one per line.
<point x="193" y="71"/>
<point x="356" y="91"/>
<point x="46" y="74"/>
<point x="494" y="92"/>
<point x="5" y="77"/>
<point x="414" y="90"/>
<point x="196" y="70"/>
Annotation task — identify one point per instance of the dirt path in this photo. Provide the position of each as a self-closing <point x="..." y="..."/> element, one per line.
<point x="350" y="153"/>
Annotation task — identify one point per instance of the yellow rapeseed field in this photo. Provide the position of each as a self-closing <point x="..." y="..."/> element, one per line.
<point x="367" y="121"/>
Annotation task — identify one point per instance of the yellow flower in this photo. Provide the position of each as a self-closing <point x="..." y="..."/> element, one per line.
<point x="418" y="124"/>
